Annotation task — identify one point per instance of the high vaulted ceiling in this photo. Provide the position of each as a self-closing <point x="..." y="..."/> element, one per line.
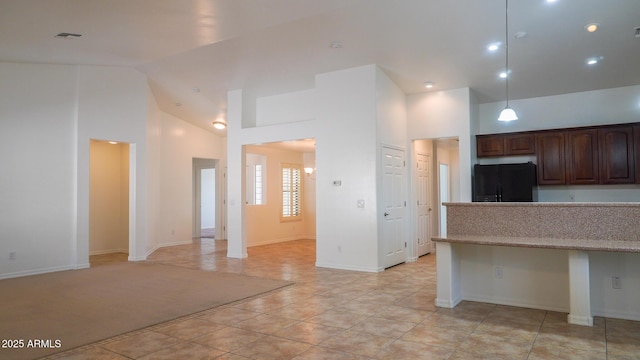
<point x="194" y="51"/>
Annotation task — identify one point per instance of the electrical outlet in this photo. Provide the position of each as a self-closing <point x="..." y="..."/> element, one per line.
<point x="497" y="273"/>
<point x="616" y="282"/>
<point x="12" y="255"/>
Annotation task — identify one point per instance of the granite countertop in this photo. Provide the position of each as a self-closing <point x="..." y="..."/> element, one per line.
<point x="546" y="204"/>
<point x="545" y="243"/>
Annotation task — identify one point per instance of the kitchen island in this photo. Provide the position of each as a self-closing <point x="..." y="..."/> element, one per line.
<point x="538" y="255"/>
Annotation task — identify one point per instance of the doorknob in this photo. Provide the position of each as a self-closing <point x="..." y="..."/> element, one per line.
<point x="386" y="214"/>
<point x="430" y="209"/>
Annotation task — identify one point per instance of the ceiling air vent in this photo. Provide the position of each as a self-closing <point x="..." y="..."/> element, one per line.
<point x="68" y="36"/>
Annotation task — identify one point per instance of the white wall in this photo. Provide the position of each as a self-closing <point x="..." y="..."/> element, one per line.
<point x="112" y="104"/>
<point x="38" y="105"/>
<point x="285" y="108"/>
<point x="347" y="151"/>
<point x="48" y="114"/>
<point x="598" y="107"/>
<point x="605" y="300"/>
<point x="180" y="143"/>
<point x="445" y="114"/>
<point x="534" y="278"/>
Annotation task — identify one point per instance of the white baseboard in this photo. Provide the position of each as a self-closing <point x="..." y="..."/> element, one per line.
<point x="352" y="268"/>
<point x="446" y="303"/>
<point x="159" y="246"/>
<point x="36" y="271"/>
<point x="280" y="240"/>
<point x="624" y="315"/>
<point x="515" y="302"/>
<point x="580" y="320"/>
<point x="108" y="251"/>
<point x="237" y="255"/>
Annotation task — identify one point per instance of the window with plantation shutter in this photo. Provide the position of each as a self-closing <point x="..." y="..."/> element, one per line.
<point x="291" y="192"/>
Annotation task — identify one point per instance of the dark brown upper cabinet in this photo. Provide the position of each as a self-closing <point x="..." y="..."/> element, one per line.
<point x="636" y="145"/>
<point x="617" y="155"/>
<point x="520" y="144"/>
<point x="583" y="157"/>
<point x="506" y="144"/>
<point x="551" y="158"/>
<point x="607" y="154"/>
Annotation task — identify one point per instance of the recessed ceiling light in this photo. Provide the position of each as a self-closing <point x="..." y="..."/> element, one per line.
<point x="551" y="1"/>
<point x="594" y="60"/>
<point x="113" y="142"/>
<point x="494" y="46"/>
<point x="592" y="27"/>
<point x="428" y="84"/>
<point x="504" y="74"/>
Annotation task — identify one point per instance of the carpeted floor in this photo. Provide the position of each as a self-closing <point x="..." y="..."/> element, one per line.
<point x="63" y="310"/>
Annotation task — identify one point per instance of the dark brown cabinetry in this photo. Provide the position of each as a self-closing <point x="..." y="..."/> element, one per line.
<point x="492" y="145"/>
<point x="506" y="144"/>
<point x="582" y="157"/>
<point x="617" y="155"/>
<point x="636" y="145"/>
<point x="608" y="154"/>
<point x="520" y="144"/>
<point x="551" y="158"/>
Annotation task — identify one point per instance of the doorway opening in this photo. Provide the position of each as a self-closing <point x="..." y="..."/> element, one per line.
<point x="109" y="173"/>
<point x="436" y="179"/>
<point x="208" y="203"/>
<point x="206" y="223"/>
<point x="279" y="180"/>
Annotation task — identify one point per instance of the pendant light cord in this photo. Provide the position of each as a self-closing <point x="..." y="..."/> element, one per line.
<point x="506" y="46"/>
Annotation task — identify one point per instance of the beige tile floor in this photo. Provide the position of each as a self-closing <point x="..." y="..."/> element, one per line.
<point x="336" y="314"/>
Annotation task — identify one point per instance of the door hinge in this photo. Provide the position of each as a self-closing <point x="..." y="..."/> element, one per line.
<point x="405" y="244"/>
<point x="405" y="204"/>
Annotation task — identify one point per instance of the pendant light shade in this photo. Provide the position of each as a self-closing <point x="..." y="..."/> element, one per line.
<point x="508" y="114"/>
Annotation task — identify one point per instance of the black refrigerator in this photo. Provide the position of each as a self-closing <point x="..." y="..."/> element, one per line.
<point x="505" y="183"/>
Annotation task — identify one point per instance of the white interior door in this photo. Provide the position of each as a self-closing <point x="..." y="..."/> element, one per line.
<point x="393" y="183"/>
<point x="423" y="210"/>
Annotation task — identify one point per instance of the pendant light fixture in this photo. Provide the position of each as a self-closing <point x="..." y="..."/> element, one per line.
<point x="507" y="114"/>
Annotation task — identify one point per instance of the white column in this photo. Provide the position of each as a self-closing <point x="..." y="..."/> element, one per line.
<point x="449" y="284"/>
<point x="579" y="289"/>
<point x="236" y="234"/>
